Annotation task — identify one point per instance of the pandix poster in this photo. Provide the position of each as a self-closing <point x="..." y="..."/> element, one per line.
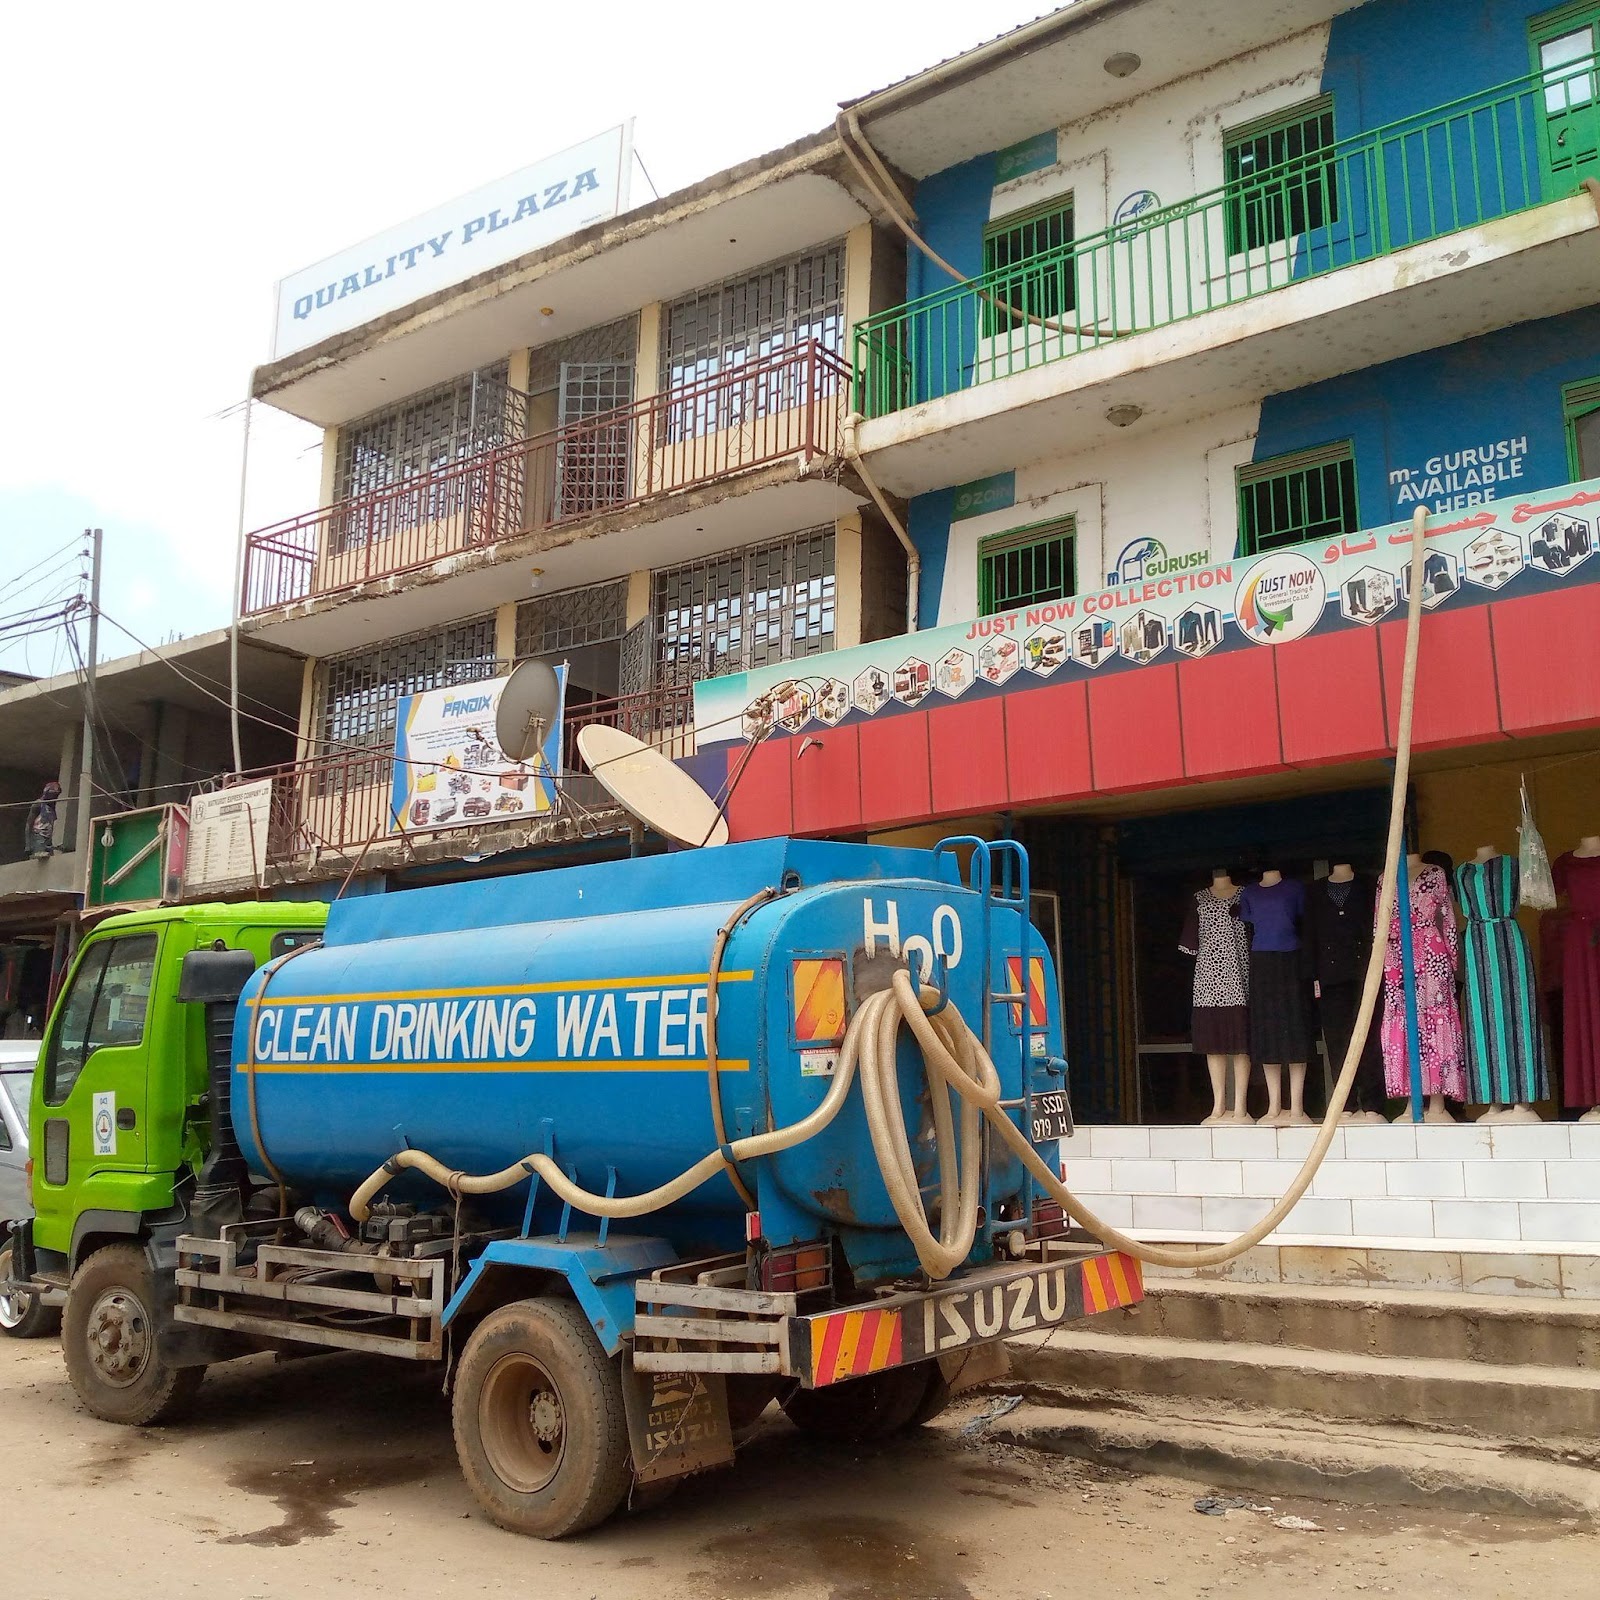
<point x="449" y="769"/>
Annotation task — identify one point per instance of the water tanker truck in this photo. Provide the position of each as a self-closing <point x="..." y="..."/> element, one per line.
<point x="637" y="1148"/>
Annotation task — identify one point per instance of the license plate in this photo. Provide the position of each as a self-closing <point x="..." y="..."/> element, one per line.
<point x="1052" y="1116"/>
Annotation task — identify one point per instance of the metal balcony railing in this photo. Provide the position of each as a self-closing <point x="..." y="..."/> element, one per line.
<point x="341" y="802"/>
<point x="789" y="403"/>
<point x="1485" y="156"/>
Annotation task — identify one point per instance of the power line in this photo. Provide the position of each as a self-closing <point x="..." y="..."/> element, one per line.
<point x="69" y="550"/>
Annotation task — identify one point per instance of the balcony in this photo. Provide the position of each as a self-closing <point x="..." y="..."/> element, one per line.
<point x="546" y="490"/>
<point x="1420" y="233"/>
<point x="334" y="811"/>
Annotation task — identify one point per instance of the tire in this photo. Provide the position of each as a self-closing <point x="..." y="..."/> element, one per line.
<point x="109" y="1339"/>
<point x="860" y="1409"/>
<point x="541" y="1430"/>
<point x="934" y="1398"/>
<point x="25" y="1316"/>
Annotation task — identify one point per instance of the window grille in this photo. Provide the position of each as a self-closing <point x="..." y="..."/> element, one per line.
<point x="1027" y="566"/>
<point x="721" y="328"/>
<point x="1278" y="184"/>
<point x="767" y="602"/>
<point x="421" y="435"/>
<point x="1295" y="498"/>
<point x="550" y="624"/>
<point x="1039" y="274"/>
<point x="358" y="693"/>
<point x="1580" y="407"/>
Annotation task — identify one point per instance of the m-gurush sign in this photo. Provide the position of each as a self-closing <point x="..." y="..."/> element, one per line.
<point x="1171" y="610"/>
<point x="455" y="241"/>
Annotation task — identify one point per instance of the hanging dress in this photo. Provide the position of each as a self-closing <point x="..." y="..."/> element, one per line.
<point x="1505" y="1044"/>
<point x="1220" y="943"/>
<point x="1578" y="878"/>
<point x="1435" y="951"/>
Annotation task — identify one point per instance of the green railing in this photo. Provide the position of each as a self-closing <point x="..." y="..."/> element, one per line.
<point x="1484" y="156"/>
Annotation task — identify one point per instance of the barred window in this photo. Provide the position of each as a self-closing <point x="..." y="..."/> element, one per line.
<point x="423" y="434"/>
<point x="1278" y="182"/>
<point x="357" y="693"/>
<point x="1027" y="566"/>
<point x="719" y="329"/>
<point x="767" y="602"/>
<point x="1041" y="275"/>
<point x="572" y="618"/>
<point x="1291" y="499"/>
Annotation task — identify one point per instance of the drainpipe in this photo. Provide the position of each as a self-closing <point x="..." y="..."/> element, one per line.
<point x="913" y="557"/>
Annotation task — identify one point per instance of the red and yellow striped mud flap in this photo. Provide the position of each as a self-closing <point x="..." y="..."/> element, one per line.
<point x="1110" y="1281"/>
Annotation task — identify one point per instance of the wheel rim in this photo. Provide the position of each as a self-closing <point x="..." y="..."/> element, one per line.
<point x="13" y="1307"/>
<point x="118" y="1338"/>
<point x="523" y="1423"/>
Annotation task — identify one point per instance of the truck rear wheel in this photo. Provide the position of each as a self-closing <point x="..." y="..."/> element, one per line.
<point x="540" y="1425"/>
<point x="860" y="1408"/>
<point x="109" y="1339"/>
<point x="24" y="1316"/>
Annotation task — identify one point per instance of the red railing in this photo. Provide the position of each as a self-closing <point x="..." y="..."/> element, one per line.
<point x="341" y="802"/>
<point x="786" y="404"/>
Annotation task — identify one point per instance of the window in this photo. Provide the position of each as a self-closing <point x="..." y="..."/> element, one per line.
<point x="1278" y="181"/>
<point x="105" y="1007"/>
<point x="1295" y="498"/>
<point x="550" y="624"/>
<point x="1026" y="566"/>
<point x="358" y="693"/>
<point x="1580" y="405"/>
<point x="768" y="602"/>
<point x="1044" y="282"/>
<point x="1564" y="44"/>
<point x="427" y="433"/>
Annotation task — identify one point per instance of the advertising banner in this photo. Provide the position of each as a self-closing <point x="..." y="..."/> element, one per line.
<point x="1165" y="608"/>
<point x="449" y="769"/>
<point x="456" y="241"/>
<point x="228" y="836"/>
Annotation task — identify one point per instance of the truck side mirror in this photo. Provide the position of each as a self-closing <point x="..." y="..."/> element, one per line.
<point x="214" y="977"/>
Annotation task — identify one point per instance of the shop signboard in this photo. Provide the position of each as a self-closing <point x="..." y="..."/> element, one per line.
<point x="1167" y="610"/>
<point x="525" y="211"/>
<point x="449" y="769"/>
<point x="228" y="836"/>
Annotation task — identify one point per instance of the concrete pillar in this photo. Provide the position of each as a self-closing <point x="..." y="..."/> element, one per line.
<point x="67" y="777"/>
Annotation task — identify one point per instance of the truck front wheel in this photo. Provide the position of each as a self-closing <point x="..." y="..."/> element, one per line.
<point x="108" y="1336"/>
<point x="540" y="1425"/>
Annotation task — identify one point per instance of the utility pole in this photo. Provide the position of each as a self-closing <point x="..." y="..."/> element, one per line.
<point x="86" y="771"/>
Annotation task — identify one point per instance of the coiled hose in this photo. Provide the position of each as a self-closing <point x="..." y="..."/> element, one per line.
<point x="960" y="1069"/>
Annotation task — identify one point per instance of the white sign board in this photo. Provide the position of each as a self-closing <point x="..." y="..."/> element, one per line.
<point x="105" y="1124"/>
<point x="228" y="835"/>
<point x="455" y="241"/>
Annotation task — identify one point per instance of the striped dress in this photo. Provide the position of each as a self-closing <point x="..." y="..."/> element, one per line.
<point x="1505" y="1044"/>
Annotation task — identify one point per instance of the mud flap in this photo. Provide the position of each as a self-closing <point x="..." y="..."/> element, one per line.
<point x="967" y="1369"/>
<point x="677" y="1422"/>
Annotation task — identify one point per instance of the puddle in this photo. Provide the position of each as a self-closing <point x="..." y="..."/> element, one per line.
<point x="308" y="1493"/>
<point x="859" y="1558"/>
<point x="112" y="1461"/>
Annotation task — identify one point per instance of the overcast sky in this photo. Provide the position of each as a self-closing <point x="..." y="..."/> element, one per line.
<point x="165" y="163"/>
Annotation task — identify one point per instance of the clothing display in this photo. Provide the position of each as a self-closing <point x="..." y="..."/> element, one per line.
<point x="1279" y="1023"/>
<point x="1578" y="879"/>
<point x="1505" y="1045"/>
<point x="1436" y="953"/>
<point x="1220" y="943"/>
<point x="1338" y="935"/>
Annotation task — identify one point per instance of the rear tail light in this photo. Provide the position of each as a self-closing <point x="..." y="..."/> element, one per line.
<point x="1049" y="1221"/>
<point x="797" y="1268"/>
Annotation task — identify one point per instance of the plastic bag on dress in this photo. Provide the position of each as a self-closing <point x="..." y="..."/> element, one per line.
<point x="1533" y="862"/>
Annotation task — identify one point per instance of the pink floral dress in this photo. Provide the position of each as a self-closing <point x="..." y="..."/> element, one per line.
<point x="1436" y="951"/>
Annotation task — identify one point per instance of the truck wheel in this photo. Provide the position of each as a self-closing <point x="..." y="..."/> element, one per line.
<point x="109" y="1339"/>
<point x="25" y="1316"/>
<point x="860" y="1408"/>
<point x="541" y="1430"/>
<point x="934" y="1398"/>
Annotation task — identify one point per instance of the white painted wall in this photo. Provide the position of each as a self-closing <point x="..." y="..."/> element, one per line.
<point x="1176" y="486"/>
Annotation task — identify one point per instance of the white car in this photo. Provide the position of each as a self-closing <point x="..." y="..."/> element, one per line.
<point x="22" y="1316"/>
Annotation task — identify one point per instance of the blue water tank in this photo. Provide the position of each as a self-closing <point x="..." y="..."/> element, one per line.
<point x="564" y="1011"/>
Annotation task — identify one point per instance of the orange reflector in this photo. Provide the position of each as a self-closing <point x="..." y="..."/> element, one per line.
<point x="819" y="1008"/>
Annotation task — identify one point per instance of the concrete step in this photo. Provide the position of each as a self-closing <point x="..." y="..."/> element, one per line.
<point x="1534" y="1405"/>
<point x="1268" y="1454"/>
<point x="1413" y="1324"/>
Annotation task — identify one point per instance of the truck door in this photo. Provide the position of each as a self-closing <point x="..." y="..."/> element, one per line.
<point x="94" y="1085"/>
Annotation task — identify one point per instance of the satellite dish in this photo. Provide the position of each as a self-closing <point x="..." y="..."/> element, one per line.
<point x="529" y="706"/>
<point x="649" y="786"/>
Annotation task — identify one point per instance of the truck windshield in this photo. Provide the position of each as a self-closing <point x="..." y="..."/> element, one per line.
<point x="105" y="1006"/>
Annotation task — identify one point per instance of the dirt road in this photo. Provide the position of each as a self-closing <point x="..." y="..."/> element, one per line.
<point x="336" y="1476"/>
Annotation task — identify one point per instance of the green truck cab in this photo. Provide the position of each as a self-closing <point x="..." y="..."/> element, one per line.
<point x="119" y="1121"/>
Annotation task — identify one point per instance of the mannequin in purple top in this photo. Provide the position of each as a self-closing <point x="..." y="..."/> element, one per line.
<point x="1280" y="1033"/>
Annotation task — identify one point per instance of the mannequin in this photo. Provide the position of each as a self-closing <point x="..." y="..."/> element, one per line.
<point x="1220" y="1026"/>
<point x="1338" y="927"/>
<point x="1577" y="877"/>
<point x="1279" y="1032"/>
<point x="1505" y="1042"/>
<point x="1435" y="945"/>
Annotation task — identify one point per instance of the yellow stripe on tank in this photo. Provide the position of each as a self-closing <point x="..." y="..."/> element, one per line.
<point x="572" y="986"/>
<point x="646" y="1064"/>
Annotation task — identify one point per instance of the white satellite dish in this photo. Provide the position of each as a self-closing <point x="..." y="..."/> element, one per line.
<point x="649" y="786"/>
<point x="529" y="706"/>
